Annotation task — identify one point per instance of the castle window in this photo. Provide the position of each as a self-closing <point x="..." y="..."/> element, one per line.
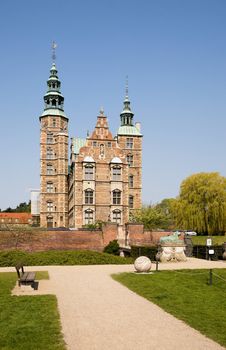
<point x="49" y="138"/>
<point x="130" y="181"/>
<point x="89" y="196"/>
<point x="49" y="206"/>
<point x="116" y="197"/>
<point x="109" y="144"/>
<point x="49" y="153"/>
<point x="54" y="123"/>
<point x="129" y="142"/>
<point x="88" y="216"/>
<point x="129" y="159"/>
<point x="53" y="102"/>
<point x="116" y="173"/>
<point x="89" y="172"/>
<point x="130" y="201"/>
<point x="117" y="216"/>
<point x="49" y="169"/>
<point x="94" y="144"/>
<point x="49" y="187"/>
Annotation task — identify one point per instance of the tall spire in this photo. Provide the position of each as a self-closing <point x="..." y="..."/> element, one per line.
<point x="126" y="115"/>
<point x="53" y="98"/>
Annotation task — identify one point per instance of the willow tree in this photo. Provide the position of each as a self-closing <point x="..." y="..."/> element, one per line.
<point x="201" y="205"/>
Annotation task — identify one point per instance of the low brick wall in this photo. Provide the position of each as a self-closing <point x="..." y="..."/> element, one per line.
<point x="38" y="240"/>
<point x="137" y="236"/>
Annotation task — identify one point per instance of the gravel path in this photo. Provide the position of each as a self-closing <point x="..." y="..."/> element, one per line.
<point x="98" y="313"/>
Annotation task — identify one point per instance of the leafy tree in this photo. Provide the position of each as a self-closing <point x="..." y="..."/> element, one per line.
<point x="152" y="217"/>
<point x="201" y="205"/>
<point x="21" y="208"/>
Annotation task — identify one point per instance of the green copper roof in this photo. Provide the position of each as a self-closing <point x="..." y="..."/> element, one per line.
<point x="53" y="111"/>
<point x="128" y="130"/>
<point x="77" y="143"/>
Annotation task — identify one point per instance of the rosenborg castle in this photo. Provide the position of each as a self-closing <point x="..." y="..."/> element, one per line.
<point x="102" y="179"/>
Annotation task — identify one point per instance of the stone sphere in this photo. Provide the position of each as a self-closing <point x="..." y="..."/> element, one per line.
<point x="142" y="264"/>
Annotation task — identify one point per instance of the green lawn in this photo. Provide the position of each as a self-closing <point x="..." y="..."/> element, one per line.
<point x="201" y="240"/>
<point x="187" y="295"/>
<point x="28" y="322"/>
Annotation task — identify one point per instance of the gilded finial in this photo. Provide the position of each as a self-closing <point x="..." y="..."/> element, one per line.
<point x="54" y="46"/>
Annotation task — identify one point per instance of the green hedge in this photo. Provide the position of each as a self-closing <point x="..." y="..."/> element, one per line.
<point x="54" y="257"/>
<point x="150" y="252"/>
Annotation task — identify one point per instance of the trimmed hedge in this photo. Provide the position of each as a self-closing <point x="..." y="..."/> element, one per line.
<point x="150" y="252"/>
<point x="54" y="257"/>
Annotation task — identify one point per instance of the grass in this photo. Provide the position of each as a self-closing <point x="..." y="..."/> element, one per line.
<point x="187" y="295"/>
<point x="201" y="240"/>
<point x="54" y="257"/>
<point x="28" y="322"/>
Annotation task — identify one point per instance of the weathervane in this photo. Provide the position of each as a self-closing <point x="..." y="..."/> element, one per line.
<point x="54" y="46"/>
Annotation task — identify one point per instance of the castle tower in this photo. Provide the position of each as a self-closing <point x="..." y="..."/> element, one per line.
<point x="53" y="156"/>
<point x="130" y="140"/>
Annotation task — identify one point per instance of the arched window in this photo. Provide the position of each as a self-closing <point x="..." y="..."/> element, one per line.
<point x="116" y="197"/>
<point x="53" y="102"/>
<point x="88" y="216"/>
<point x="116" y="173"/>
<point x="116" y="217"/>
<point x="88" y="196"/>
<point x="89" y="172"/>
<point x="49" y="169"/>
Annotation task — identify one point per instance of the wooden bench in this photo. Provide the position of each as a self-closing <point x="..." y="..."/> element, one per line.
<point x="24" y="277"/>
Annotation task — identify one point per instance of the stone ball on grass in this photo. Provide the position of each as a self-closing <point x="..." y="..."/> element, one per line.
<point x="142" y="264"/>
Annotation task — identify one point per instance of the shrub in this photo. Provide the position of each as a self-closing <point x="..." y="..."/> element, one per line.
<point x="112" y="248"/>
<point x="54" y="257"/>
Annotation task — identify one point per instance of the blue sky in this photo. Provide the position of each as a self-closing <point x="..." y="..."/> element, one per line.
<point x="174" y="52"/>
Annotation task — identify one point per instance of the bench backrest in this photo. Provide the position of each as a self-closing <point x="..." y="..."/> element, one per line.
<point x="18" y="267"/>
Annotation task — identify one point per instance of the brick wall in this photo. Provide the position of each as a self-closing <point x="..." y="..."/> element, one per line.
<point x="136" y="235"/>
<point x="58" y="240"/>
<point x="42" y="240"/>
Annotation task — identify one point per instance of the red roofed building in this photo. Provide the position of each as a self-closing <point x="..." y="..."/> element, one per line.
<point x="15" y="219"/>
